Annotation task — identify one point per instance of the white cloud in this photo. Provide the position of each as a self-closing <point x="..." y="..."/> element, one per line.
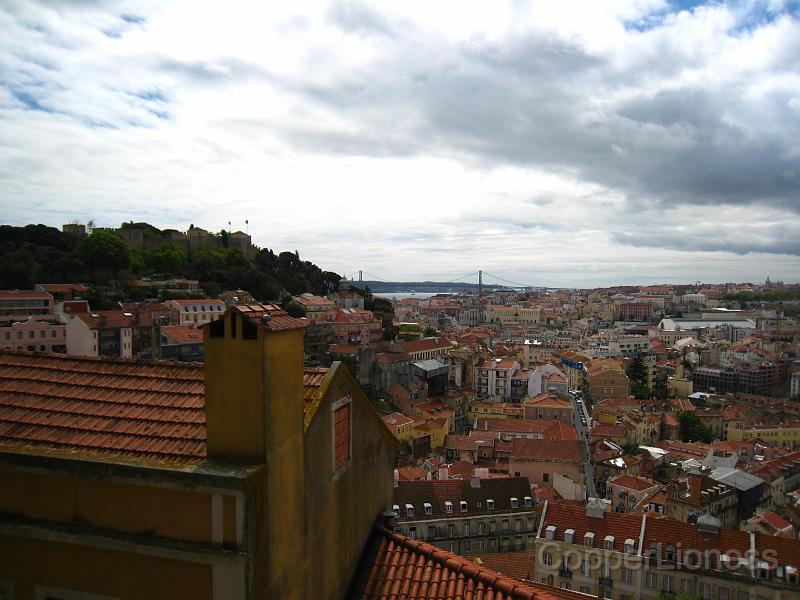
<point x="560" y="143"/>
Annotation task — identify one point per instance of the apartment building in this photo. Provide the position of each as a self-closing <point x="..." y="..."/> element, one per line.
<point x="196" y="312"/>
<point x="24" y="303"/>
<point x="695" y="495"/>
<point x="549" y="406"/>
<point x="634" y="556"/>
<point x="40" y="333"/>
<point x="493" y="377"/>
<point x="783" y="435"/>
<point x="468" y="516"/>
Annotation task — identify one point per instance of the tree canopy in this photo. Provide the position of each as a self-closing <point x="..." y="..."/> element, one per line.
<point x="692" y="429"/>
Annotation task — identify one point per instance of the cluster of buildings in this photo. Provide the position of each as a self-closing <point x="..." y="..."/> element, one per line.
<point x="541" y="433"/>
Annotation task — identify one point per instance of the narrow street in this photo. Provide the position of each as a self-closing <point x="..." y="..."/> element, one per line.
<point x="582" y="426"/>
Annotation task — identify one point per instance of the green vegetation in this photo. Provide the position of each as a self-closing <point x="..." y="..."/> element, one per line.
<point x="765" y="296"/>
<point x="37" y="253"/>
<point x="637" y="373"/>
<point x="692" y="429"/>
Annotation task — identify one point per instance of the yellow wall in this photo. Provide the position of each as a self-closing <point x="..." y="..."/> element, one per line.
<point x="126" y="575"/>
<point x="340" y="514"/>
<point x="108" y="504"/>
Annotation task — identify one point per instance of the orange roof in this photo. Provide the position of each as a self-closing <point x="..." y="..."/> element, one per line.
<point x="497" y="363"/>
<point x="519" y="565"/>
<point x="182" y="334"/>
<point x="396" y="566"/>
<point x="570" y="451"/>
<point x="24" y="294"/>
<point x="209" y="301"/>
<point x="269" y="317"/>
<point x="396" y="420"/>
<point x="633" y="483"/>
<point x="548" y="400"/>
<point x="151" y="411"/>
<point x="425" y="344"/>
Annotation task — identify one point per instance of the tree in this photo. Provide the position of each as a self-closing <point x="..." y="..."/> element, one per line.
<point x="105" y="250"/>
<point x="294" y="309"/>
<point x="166" y="259"/>
<point x="637" y="369"/>
<point x="692" y="429"/>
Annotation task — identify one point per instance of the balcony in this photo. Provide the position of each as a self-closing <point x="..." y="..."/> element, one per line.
<point x="605" y="581"/>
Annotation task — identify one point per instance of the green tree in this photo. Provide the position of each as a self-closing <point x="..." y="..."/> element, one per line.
<point x="692" y="429"/>
<point x="637" y="369"/>
<point x="105" y="250"/>
<point x="166" y="259"/>
<point x="430" y="332"/>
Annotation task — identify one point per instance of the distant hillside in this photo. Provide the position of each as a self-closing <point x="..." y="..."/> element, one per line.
<point x="37" y="253"/>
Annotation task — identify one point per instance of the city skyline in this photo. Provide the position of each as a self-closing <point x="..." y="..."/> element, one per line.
<point x="569" y="146"/>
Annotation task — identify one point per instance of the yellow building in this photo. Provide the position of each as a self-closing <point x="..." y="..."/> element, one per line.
<point x="437" y="429"/>
<point x="400" y="425"/>
<point x="247" y="478"/>
<point x="781" y="435"/>
<point x="494" y="410"/>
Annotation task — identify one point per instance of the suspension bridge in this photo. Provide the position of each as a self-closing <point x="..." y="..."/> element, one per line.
<point x="481" y="279"/>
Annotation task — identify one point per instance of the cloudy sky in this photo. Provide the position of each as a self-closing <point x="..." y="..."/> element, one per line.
<point x="558" y="143"/>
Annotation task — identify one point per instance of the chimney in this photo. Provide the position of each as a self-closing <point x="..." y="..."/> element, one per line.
<point x="254" y="385"/>
<point x="595" y="507"/>
<point x="389" y="519"/>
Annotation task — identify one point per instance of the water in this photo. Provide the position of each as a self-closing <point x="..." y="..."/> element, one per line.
<point x="401" y="295"/>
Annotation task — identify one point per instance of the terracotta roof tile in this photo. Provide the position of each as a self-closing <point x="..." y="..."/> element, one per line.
<point x="396" y="567"/>
<point x="147" y="411"/>
<point x="269" y="317"/>
<point x="519" y="565"/>
<point x="182" y="334"/>
<point x="546" y="451"/>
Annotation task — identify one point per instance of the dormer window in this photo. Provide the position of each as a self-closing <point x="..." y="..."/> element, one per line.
<point x="409" y="510"/>
<point x="630" y="546"/>
<point x="569" y="536"/>
<point x="428" y="508"/>
<point x="448" y="507"/>
<point x="396" y="508"/>
<point x="550" y="532"/>
<point x="515" y="503"/>
<point x="463" y="505"/>
<point x="528" y="502"/>
<point x="588" y="539"/>
<point x="490" y="504"/>
<point x="608" y="542"/>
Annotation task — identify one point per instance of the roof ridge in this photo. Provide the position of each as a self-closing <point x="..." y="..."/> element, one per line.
<point x="101" y="359"/>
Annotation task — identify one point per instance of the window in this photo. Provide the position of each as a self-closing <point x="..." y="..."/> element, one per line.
<point x="705" y="591"/>
<point x="607" y="594"/>
<point x="409" y="510"/>
<point x="42" y="333"/>
<point x="651" y="580"/>
<point x="668" y="584"/>
<point x="605" y="569"/>
<point x="627" y="575"/>
<point x="448" y="507"/>
<point x="687" y="586"/>
<point x="463" y="505"/>
<point x="584" y="589"/>
<point x="341" y="428"/>
<point x="588" y="539"/>
<point x="608" y="542"/>
<point x="19" y="335"/>
<point x="548" y="559"/>
<point x="428" y="508"/>
<point x="490" y="504"/>
<point x="412" y="532"/>
<point x="586" y="568"/>
<point x="528" y="502"/>
<point x="545" y="477"/>
<point x="741" y="595"/>
<point x="431" y="532"/>
<point x="481" y="527"/>
<point x="31" y="335"/>
<point x="723" y="593"/>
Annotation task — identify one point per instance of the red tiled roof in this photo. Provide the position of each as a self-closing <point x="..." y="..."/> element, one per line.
<point x="631" y="482"/>
<point x="182" y="334"/>
<point x="548" y="400"/>
<point x="62" y="287"/>
<point x="520" y="565"/>
<point x="547" y="451"/>
<point x="563" y="516"/>
<point x="410" y="473"/>
<point x="208" y="301"/>
<point x="90" y="405"/>
<point x="396" y="419"/>
<point x="396" y="567"/>
<point x="269" y="317"/>
<point x="552" y="430"/>
<point x="497" y="363"/>
<point x="24" y="294"/>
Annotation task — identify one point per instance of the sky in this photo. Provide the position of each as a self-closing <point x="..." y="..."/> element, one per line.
<point x="564" y="143"/>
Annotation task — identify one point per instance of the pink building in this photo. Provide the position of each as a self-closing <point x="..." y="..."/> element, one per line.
<point x="39" y="333"/>
<point x="355" y="327"/>
<point x="24" y="303"/>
